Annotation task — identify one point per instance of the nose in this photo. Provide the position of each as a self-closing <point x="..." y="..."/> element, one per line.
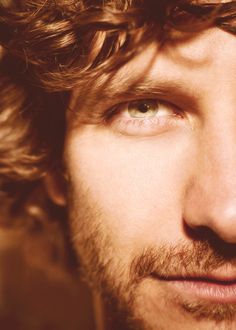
<point x="210" y="199"/>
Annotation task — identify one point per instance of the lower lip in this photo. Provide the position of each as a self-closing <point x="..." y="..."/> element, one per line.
<point x="205" y="290"/>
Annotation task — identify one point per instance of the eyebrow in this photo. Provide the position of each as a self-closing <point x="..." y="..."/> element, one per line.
<point x="141" y="88"/>
<point x="168" y="89"/>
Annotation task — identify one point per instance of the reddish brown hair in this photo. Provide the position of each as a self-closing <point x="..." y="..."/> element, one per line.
<point x="51" y="46"/>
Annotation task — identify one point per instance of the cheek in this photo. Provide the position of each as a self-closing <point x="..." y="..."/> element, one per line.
<point x="137" y="184"/>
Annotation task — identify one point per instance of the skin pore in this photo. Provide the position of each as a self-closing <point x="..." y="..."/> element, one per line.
<point x="150" y="163"/>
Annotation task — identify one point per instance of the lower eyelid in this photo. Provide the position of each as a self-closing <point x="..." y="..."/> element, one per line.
<point x="145" y="127"/>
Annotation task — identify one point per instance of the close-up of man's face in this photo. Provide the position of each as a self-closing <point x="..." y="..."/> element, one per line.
<point x="150" y="163"/>
<point x="140" y="166"/>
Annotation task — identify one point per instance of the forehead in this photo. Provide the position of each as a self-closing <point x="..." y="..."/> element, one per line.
<point x="204" y="48"/>
<point x="191" y="64"/>
<point x="204" y="53"/>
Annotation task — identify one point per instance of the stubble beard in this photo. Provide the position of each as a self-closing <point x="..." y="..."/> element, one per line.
<point x="119" y="284"/>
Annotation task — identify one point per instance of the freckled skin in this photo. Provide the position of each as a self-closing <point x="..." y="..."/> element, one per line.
<point x="131" y="190"/>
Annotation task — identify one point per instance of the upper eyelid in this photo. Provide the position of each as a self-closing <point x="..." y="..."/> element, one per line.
<point x="159" y="100"/>
<point x="179" y="99"/>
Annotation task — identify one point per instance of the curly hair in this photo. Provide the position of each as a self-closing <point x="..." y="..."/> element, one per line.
<point x="51" y="46"/>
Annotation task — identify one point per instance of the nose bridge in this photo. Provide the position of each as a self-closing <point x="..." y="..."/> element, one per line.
<point x="211" y="200"/>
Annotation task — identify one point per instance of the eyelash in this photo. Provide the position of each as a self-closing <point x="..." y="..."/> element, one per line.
<point x="142" y="126"/>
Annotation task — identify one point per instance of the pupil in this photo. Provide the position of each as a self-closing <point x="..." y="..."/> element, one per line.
<point x="143" y="107"/>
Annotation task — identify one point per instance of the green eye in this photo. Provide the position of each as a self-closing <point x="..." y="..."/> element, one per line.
<point x="143" y="108"/>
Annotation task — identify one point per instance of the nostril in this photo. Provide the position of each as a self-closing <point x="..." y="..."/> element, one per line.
<point x="198" y="233"/>
<point x="209" y="238"/>
<point x="219" y="216"/>
<point x="204" y="233"/>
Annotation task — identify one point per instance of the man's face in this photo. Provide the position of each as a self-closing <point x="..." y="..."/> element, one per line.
<point x="151" y="161"/>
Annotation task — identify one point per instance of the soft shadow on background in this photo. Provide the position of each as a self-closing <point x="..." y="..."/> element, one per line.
<point x="37" y="291"/>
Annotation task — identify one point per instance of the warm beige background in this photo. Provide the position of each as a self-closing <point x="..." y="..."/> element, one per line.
<point x="37" y="292"/>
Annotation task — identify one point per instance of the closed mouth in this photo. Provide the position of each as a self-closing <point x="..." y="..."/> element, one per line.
<point x="211" y="288"/>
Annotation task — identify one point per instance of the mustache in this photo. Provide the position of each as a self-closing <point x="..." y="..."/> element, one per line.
<point x="193" y="259"/>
